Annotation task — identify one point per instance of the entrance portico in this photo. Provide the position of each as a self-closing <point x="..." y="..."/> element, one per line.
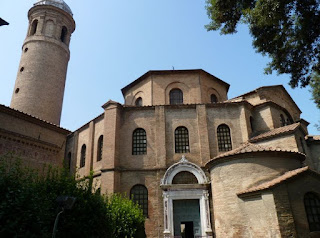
<point x="185" y="200"/>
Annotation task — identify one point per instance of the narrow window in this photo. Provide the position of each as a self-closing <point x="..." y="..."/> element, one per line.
<point x="282" y="120"/>
<point x="312" y="206"/>
<point x="251" y="124"/>
<point x="139" y="195"/>
<point x="176" y="96"/>
<point x="224" y="138"/>
<point x="34" y="27"/>
<point x="213" y="98"/>
<point x="83" y="156"/>
<point x="100" y="148"/>
<point x="139" y="142"/>
<point x="138" y="102"/>
<point x="181" y="138"/>
<point x="63" y="35"/>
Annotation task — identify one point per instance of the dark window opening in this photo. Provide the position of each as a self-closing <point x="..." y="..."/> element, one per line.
<point x="100" y="148"/>
<point x="21" y="69"/>
<point x="138" y="102"/>
<point x="312" y="206"/>
<point x="282" y="120"/>
<point x="184" y="177"/>
<point x="34" y="27"/>
<point x="139" y="195"/>
<point x="139" y="142"/>
<point x="25" y="50"/>
<point x="224" y="138"/>
<point x="213" y="98"/>
<point x="251" y="124"/>
<point x="64" y="32"/>
<point x="83" y="156"/>
<point x="176" y="96"/>
<point x="181" y="138"/>
<point x="17" y="90"/>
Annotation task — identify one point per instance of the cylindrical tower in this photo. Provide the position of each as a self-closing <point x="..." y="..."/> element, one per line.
<point x="40" y="82"/>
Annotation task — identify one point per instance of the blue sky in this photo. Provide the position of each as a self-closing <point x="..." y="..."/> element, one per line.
<point x="115" y="42"/>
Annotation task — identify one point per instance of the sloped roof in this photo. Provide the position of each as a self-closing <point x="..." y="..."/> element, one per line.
<point x="276" y="132"/>
<point x="282" y="178"/>
<point x="152" y="72"/>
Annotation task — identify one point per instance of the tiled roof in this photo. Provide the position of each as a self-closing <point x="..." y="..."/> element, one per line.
<point x="275" y="181"/>
<point x="249" y="148"/>
<point x="276" y="132"/>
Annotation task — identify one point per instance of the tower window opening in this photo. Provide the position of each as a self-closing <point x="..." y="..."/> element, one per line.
<point x="282" y="120"/>
<point x="21" y="69"/>
<point x="213" y="98"/>
<point x="34" y="27"/>
<point x="26" y="49"/>
<point x="50" y="28"/>
<point x="138" y="102"/>
<point x="17" y="90"/>
<point x="64" y="32"/>
<point x="176" y="96"/>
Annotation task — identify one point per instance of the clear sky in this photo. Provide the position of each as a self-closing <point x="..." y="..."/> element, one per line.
<point x="115" y="42"/>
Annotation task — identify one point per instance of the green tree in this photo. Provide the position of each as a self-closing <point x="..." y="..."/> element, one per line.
<point x="288" y="31"/>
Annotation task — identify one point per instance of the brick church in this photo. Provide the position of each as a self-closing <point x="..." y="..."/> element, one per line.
<point x="199" y="164"/>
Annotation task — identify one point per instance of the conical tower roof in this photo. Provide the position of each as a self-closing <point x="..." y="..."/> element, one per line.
<point x="57" y="3"/>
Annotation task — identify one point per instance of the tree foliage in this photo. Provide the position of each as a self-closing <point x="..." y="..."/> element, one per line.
<point x="287" y="31"/>
<point x="28" y="205"/>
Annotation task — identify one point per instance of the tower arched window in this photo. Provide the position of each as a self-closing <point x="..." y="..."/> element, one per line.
<point x="213" y="98"/>
<point x="49" y="28"/>
<point x="176" y="96"/>
<point x="64" y="32"/>
<point x="139" y="142"/>
<point x="139" y="195"/>
<point x="224" y="138"/>
<point x="100" y="148"/>
<point x="34" y="27"/>
<point x="138" y="102"/>
<point x="83" y="156"/>
<point x="312" y="206"/>
<point x="181" y="138"/>
<point x="282" y="120"/>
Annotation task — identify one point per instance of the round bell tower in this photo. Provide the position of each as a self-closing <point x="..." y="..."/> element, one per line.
<point x="41" y="77"/>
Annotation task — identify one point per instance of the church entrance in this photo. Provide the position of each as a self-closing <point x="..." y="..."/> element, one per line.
<point x="186" y="218"/>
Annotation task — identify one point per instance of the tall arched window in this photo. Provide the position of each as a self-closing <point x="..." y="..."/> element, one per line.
<point x="181" y="139"/>
<point x="49" y="28"/>
<point x="63" y="35"/>
<point x="83" y="156"/>
<point x="139" y="195"/>
<point x="138" y="102"/>
<point x="139" y="142"/>
<point x="224" y="138"/>
<point x="312" y="206"/>
<point x="282" y="120"/>
<point x="176" y="96"/>
<point x="34" y="26"/>
<point x="213" y="98"/>
<point x="100" y="148"/>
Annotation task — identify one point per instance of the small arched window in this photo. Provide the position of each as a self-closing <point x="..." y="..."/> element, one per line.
<point x="63" y="35"/>
<point x="83" y="156"/>
<point x="138" y="102"/>
<point x="100" y="148"/>
<point x="213" y="98"/>
<point x="139" y="142"/>
<point x="312" y="206"/>
<point x="176" y="96"/>
<point x="184" y="177"/>
<point x="34" y="27"/>
<point x="139" y="195"/>
<point x="224" y="138"/>
<point x="282" y="120"/>
<point x="181" y="139"/>
<point x="49" y="28"/>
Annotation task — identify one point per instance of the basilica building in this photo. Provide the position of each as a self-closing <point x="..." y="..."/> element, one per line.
<point x="198" y="164"/>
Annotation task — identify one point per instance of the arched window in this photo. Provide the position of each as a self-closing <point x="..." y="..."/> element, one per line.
<point x="83" y="156"/>
<point x="100" y="148"/>
<point x="139" y="195"/>
<point x="184" y="177"/>
<point x="282" y="120"/>
<point x="63" y="35"/>
<point x="139" y="142"/>
<point x="176" y="96"/>
<point x="181" y="138"/>
<point x="312" y="206"/>
<point x="224" y="138"/>
<point x="138" y="102"/>
<point x="251" y="124"/>
<point x="49" y="29"/>
<point x="34" y="26"/>
<point x="213" y="98"/>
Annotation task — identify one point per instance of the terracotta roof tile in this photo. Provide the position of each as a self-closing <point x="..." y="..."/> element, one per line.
<point x="275" y="181"/>
<point x="275" y="132"/>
